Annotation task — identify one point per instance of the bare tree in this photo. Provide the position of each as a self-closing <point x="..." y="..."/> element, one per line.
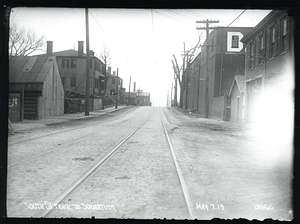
<point x="79" y="82"/>
<point x="180" y="71"/>
<point x="104" y="55"/>
<point x="23" y="42"/>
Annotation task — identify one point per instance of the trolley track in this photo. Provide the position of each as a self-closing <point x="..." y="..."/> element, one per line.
<point x="91" y="171"/>
<point x="89" y="174"/>
<point x="39" y="168"/>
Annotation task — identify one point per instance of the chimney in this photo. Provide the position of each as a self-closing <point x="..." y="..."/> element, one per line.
<point x="80" y="48"/>
<point x="114" y="73"/>
<point x="109" y="70"/>
<point x="92" y="53"/>
<point x="49" y="47"/>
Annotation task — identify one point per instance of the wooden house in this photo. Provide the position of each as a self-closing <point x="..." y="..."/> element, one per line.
<point x="35" y="88"/>
<point x="237" y="95"/>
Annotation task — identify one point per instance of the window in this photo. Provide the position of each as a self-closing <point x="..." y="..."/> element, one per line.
<point x="261" y="47"/>
<point x="235" y="41"/>
<point x="90" y="81"/>
<point x="112" y="92"/>
<point x="284" y="35"/>
<point x="97" y="67"/>
<point x="273" y="42"/>
<point x="73" y="63"/>
<point x="64" y="81"/>
<point x="113" y="80"/>
<point x="65" y="63"/>
<point x="73" y="81"/>
<point x="91" y="63"/>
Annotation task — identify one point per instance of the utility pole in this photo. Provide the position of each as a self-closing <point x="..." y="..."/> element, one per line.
<point x="129" y="90"/>
<point x="168" y="99"/>
<point x="117" y="89"/>
<point x="175" y="94"/>
<point x="138" y="92"/>
<point x="87" y="87"/>
<point x="171" y="93"/>
<point x="207" y="28"/>
<point x="183" y="76"/>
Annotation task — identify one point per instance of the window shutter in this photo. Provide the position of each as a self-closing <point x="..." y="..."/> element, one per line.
<point x="267" y="43"/>
<point x="278" y="35"/>
<point x="254" y="51"/>
<point x="257" y="51"/>
<point x="263" y="52"/>
<point x="248" y="56"/>
<point x="287" y="39"/>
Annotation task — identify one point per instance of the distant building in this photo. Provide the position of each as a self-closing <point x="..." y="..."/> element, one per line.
<point x="132" y="99"/>
<point x="270" y="68"/>
<point x="112" y="82"/>
<point x="35" y="88"/>
<point x="143" y="99"/>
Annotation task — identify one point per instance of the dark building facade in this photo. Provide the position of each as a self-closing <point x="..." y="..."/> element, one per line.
<point x="211" y="74"/>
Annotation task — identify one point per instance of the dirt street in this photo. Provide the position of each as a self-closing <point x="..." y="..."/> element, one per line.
<point x="231" y="170"/>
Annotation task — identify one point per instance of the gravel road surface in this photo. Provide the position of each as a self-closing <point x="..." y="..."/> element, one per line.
<point x="230" y="171"/>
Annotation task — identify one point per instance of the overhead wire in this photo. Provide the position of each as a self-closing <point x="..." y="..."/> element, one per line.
<point x="237" y="17"/>
<point x="101" y="28"/>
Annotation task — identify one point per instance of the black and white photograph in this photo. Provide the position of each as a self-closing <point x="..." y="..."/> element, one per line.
<point x="147" y="113"/>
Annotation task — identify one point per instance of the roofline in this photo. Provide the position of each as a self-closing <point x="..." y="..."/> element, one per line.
<point x="26" y="83"/>
<point x="231" y="88"/>
<point x="238" y="27"/>
<point x="263" y="22"/>
<point x="61" y="56"/>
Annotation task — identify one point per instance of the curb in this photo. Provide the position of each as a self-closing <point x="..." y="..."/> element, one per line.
<point x="43" y="126"/>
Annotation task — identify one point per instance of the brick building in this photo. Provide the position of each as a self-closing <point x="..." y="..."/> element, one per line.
<point x="209" y="82"/>
<point x="270" y="68"/>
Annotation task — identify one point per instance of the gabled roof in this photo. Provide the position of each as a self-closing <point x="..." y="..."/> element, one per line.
<point x="132" y="94"/>
<point x="30" y="68"/>
<point x="240" y="82"/>
<point x="144" y="94"/>
<point x="268" y="18"/>
<point x="113" y="76"/>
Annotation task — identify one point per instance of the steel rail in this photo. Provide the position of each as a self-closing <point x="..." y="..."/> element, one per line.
<point x="85" y="177"/>
<point x="180" y="176"/>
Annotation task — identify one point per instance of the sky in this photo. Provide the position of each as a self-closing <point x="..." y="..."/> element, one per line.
<point x="141" y="42"/>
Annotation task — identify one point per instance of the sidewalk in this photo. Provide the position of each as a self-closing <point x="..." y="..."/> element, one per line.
<point x="42" y="123"/>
